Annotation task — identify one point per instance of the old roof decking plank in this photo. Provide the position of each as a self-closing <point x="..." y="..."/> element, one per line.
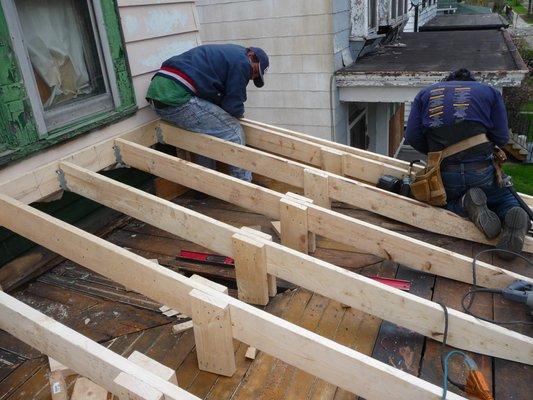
<point x="311" y="273"/>
<point x="353" y="192"/>
<point x="396" y="345"/>
<point x="249" y="324"/>
<point x="75" y="350"/>
<point x="509" y="376"/>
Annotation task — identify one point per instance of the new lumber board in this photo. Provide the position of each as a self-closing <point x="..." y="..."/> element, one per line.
<point x="333" y="225"/>
<point x="346" y="287"/>
<point x="390" y="165"/>
<point x="297" y="346"/>
<point x="317" y="155"/>
<point x="358" y="194"/>
<point x="42" y="182"/>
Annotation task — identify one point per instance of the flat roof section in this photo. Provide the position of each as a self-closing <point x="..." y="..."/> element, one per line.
<point x="450" y="22"/>
<point x="423" y="58"/>
<point x="440" y="51"/>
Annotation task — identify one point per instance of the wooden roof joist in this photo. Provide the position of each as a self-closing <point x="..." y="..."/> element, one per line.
<point x="299" y="347"/>
<point x="108" y="369"/>
<point x="359" y="194"/>
<point x="358" y="234"/>
<point x="42" y="181"/>
<point x="404" y="309"/>
<point x="353" y="168"/>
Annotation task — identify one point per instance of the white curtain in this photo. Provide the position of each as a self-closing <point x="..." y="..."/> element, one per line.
<point x="55" y="46"/>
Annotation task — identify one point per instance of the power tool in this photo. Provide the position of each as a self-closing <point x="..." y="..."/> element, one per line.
<point x="521" y="292"/>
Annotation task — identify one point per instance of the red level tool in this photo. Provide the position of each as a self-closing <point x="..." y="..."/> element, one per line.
<point x="207" y="258"/>
<point x="395" y="283"/>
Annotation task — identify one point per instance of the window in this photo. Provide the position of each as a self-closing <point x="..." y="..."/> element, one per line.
<point x="67" y="58"/>
<point x="394" y="9"/>
<point x="357" y="126"/>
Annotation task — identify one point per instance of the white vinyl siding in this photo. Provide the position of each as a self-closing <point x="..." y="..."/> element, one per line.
<point x="155" y="30"/>
<point x="305" y="40"/>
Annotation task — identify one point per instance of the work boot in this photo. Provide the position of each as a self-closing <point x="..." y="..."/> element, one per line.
<point x="516" y="224"/>
<point x="475" y="204"/>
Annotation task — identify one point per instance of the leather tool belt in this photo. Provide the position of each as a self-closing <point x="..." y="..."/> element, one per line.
<point x="427" y="184"/>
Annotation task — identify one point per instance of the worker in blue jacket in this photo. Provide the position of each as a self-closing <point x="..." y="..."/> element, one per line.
<point x="448" y="112"/>
<point x="204" y="89"/>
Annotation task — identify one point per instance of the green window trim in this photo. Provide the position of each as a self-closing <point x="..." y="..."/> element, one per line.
<point x="18" y="129"/>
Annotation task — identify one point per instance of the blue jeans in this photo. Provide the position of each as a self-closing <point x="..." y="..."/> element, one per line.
<point x="198" y="115"/>
<point x="457" y="183"/>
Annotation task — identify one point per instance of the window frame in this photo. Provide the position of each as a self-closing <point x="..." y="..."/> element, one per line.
<point x="19" y="133"/>
<point x="63" y="115"/>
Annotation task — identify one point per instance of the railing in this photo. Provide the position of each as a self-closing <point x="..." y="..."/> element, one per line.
<point x="522" y="133"/>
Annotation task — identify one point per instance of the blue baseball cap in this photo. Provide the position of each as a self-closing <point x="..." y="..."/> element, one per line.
<point x="263" y="65"/>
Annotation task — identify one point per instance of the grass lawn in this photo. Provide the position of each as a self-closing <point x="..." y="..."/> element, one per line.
<point x="517" y="6"/>
<point x="522" y="175"/>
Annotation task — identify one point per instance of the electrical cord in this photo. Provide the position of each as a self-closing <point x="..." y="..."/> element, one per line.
<point x="445" y="358"/>
<point x="475" y="289"/>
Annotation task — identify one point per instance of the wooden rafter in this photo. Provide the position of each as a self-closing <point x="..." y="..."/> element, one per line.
<point x="362" y="235"/>
<point x="310" y="352"/>
<point x="367" y="197"/>
<point x="42" y="182"/>
<point x="404" y="309"/>
<point x="375" y="163"/>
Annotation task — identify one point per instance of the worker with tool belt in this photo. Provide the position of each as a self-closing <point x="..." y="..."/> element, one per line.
<point x="457" y="123"/>
<point x="204" y="89"/>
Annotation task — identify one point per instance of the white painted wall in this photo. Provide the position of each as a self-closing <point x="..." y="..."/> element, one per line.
<point x="155" y="30"/>
<point x="306" y="41"/>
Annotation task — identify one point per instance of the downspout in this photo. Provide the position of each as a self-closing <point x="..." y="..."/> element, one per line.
<point x="332" y="113"/>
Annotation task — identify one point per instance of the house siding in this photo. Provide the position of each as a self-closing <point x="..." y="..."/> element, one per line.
<point x="154" y="31"/>
<point x="306" y="40"/>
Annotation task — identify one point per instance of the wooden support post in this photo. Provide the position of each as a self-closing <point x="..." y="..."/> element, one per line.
<point x="272" y="283"/>
<point x="316" y="187"/>
<point x="294" y="226"/>
<point x="85" y="389"/>
<point x="212" y="333"/>
<point x="332" y="160"/>
<point x="305" y="201"/>
<point x="250" y="269"/>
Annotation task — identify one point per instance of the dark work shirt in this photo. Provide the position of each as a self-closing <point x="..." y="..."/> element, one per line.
<point x="448" y="112"/>
<point x="218" y="73"/>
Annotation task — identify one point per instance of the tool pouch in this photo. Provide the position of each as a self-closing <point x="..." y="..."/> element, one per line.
<point x="427" y="185"/>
